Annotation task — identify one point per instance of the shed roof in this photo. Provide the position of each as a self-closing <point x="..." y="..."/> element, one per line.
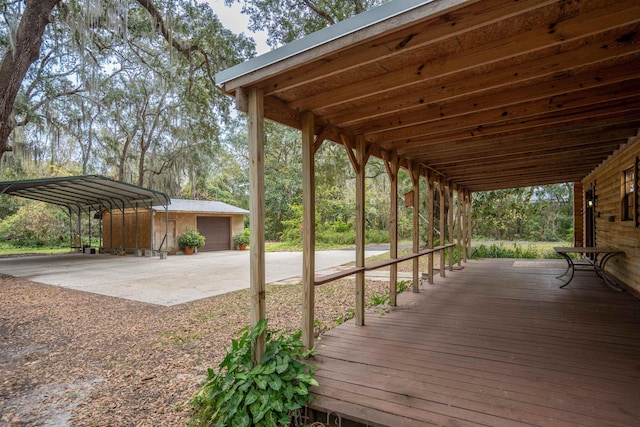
<point x="486" y="94"/>
<point x="204" y="206"/>
<point x="84" y="193"/>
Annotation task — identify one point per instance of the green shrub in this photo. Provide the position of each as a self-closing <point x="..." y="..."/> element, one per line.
<point x="191" y="238"/>
<point x="269" y="394"/>
<point x="35" y="224"/>
<point x="243" y="238"/>
<point x="500" y="251"/>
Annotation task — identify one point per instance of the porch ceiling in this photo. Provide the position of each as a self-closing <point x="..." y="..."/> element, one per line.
<point x="491" y="94"/>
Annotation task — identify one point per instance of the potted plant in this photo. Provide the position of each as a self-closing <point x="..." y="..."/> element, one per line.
<point x="190" y="240"/>
<point x="242" y="240"/>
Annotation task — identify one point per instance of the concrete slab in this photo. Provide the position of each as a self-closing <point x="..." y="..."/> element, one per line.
<point x="176" y="280"/>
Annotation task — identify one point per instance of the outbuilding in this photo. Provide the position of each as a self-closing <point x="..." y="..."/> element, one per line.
<point x="218" y="222"/>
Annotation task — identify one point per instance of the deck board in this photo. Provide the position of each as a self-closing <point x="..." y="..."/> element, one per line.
<point x="492" y="344"/>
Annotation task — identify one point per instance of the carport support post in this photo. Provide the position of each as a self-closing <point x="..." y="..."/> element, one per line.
<point x="79" y="229"/>
<point x="256" y="214"/>
<point x="414" y="171"/>
<point x="122" y="231"/>
<point x="150" y="230"/>
<point x="393" y="165"/>
<point x="308" y="229"/>
<point x="443" y="232"/>
<point x="137" y="246"/>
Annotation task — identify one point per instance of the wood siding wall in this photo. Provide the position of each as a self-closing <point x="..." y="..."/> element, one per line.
<point x="129" y="229"/>
<point x="610" y="230"/>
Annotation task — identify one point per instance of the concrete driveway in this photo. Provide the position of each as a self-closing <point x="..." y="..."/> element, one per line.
<point x="176" y="280"/>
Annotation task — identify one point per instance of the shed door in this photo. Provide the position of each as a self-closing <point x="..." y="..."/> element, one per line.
<point x="216" y="231"/>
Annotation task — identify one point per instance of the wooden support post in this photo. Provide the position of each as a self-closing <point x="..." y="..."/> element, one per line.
<point x="256" y="214"/>
<point x="308" y="229"/>
<point x="361" y="158"/>
<point x="431" y="221"/>
<point x="468" y="229"/>
<point x="443" y="232"/>
<point x="459" y="207"/>
<point x="414" y="171"/>
<point x="393" y="166"/>
<point x="450" y="219"/>
<point x="578" y="214"/>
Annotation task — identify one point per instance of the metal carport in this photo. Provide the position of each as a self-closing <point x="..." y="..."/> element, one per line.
<point x="90" y="193"/>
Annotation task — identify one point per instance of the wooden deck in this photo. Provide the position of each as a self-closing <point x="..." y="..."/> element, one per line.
<point x="494" y="344"/>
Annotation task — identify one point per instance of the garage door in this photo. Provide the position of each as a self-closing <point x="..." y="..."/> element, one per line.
<point x="216" y="231"/>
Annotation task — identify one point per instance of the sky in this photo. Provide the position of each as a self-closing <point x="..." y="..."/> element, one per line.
<point x="234" y="20"/>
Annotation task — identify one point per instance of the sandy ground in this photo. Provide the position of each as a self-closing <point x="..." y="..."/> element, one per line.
<point x="74" y="358"/>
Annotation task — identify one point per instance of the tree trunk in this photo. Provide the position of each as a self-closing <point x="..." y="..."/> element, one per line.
<point x="16" y="63"/>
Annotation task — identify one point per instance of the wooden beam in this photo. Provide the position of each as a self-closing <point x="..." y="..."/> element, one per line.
<point x="438" y="155"/>
<point x="587" y="16"/>
<point x="548" y="91"/>
<point x="322" y="136"/>
<point x="431" y="223"/>
<point x="361" y="159"/>
<point x="574" y="119"/>
<point x="397" y="44"/>
<point x="352" y="157"/>
<point x="414" y="172"/>
<point x="571" y="158"/>
<point x="256" y="214"/>
<point x="473" y="81"/>
<point x="469" y="226"/>
<point x="578" y="214"/>
<point x="459" y="209"/>
<point x="242" y="100"/>
<point x="433" y="123"/>
<point x="443" y="232"/>
<point x="308" y="229"/>
<point x="392" y="165"/>
<point x="450" y="217"/>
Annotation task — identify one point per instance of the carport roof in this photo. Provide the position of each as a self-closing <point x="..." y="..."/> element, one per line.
<point x="487" y="94"/>
<point x="85" y="193"/>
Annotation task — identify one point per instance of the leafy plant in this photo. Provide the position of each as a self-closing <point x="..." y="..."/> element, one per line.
<point x="270" y="393"/>
<point x="242" y="238"/>
<point x="402" y="286"/>
<point x="191" y="238"/>
<point x="379" y="299"/>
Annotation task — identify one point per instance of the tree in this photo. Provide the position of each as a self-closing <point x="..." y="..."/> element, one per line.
<point x="91" y="27"/>
<point x="288" y="20"/>
<point x="24" y="51"/>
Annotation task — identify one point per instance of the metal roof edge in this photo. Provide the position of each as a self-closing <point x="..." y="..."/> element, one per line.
<point x="158" y="194"/>
<point x="166" y="197"/>
<point x="320" y="37"/>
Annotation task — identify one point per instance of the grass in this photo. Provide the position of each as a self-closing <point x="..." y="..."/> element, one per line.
<point x="542" y="250"/>
<point x="13" y="250"/>
<point x="297" y="247"/>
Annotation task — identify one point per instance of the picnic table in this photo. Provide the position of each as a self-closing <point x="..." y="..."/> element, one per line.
<point x="600" y="257"/>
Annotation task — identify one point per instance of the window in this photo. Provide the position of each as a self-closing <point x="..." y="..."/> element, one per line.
<point x="628" y="195"/>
